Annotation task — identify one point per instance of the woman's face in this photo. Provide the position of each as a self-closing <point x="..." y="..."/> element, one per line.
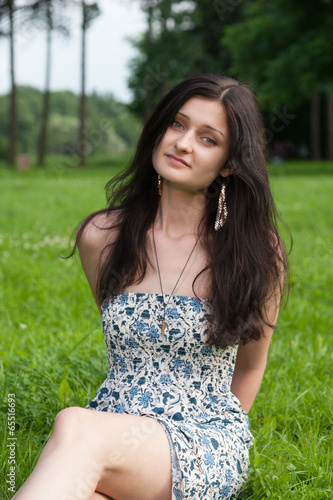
<point x="195" y="146"/>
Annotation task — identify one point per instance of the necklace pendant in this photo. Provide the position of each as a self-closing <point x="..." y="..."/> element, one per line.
<point x="163" y="325"/>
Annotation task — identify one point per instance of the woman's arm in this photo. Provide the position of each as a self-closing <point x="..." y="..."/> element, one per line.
<point x="251" y="360"/>
<point x="249" y="371"/>
<point x="91" y="244"/>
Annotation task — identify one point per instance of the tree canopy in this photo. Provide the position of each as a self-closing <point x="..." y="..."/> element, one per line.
<point x="281" y="48"/>
<point x="284" y="48"/>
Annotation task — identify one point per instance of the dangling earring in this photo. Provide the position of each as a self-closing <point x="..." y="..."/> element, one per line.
<point x="159" y="184"/>
<point x="222" y="212"/>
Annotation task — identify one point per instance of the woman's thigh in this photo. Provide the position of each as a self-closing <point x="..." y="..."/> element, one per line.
<point x="132" y="451"/>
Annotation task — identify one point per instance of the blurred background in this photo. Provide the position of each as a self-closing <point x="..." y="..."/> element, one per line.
<point x="77" y="79"/>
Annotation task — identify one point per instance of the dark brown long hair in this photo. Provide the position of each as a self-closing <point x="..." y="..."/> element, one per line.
<point x="247" y="256"/>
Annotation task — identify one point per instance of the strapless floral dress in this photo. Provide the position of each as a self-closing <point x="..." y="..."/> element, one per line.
<point x="183" y="383"/>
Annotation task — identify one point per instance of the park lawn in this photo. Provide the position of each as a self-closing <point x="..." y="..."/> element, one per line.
<point x="52" y="346"/>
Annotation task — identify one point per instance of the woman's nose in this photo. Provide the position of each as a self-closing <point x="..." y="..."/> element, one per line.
<point x="184" y="142"/>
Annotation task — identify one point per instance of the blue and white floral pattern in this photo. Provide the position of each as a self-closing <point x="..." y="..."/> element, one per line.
<point x="181" y="382"/>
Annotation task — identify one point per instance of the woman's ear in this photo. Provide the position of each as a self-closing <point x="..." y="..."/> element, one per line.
<point x="226" y="172"/>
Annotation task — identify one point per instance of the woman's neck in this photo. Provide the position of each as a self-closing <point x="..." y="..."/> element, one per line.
<point x="179" y="212"/>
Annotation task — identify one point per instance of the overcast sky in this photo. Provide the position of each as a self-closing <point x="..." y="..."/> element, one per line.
<point x="108" y="52"/>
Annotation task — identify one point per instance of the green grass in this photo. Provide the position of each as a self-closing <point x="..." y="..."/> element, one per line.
<point x="52" y="346"/>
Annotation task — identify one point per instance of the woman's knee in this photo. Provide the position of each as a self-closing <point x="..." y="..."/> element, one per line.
<point x="69" y="424"/>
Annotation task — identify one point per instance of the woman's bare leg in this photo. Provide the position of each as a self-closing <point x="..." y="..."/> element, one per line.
<point x="126" y="457"/>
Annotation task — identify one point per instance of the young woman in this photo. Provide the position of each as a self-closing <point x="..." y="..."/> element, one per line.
<point x="186" y="266"/>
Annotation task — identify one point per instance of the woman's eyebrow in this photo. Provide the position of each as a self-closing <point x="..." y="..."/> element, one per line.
<point x="204" y="126"/>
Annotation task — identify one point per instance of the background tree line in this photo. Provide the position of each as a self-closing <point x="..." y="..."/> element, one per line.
<point x="281" y="48"/>
<point x="50" y="16"/>
<point x="110" y="128"/>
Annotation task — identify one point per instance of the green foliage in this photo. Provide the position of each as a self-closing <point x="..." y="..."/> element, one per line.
<point x="164" y="53"/>
<point x="53" y="348"/>
<point x="45" y="15"/>
<point x="283" y="48"/>
<point x="111" y="128"/>
<point x="184" y="40"/>
<point x="90" y="12"/>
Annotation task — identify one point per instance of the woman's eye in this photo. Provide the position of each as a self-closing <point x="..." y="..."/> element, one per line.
<point x="208" y="140"/>
<point x="176" y="124"/>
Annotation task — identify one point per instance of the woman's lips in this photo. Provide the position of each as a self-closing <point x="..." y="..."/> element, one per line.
<point x="177" y="160"/>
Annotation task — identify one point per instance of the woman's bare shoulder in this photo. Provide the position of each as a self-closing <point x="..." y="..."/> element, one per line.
<point x="92" y="238"/>
<point x="101" y="230"/>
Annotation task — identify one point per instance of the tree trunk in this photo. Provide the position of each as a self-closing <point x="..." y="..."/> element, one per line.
<point x="329" y="127"/>
<point x="12" y="127"/>
<point x="46" y="101"/>
<point x="165" y="14"/>
<point x="148" y="87"/>
<point x="82" y="145"/>
<point x="316" y="152"/>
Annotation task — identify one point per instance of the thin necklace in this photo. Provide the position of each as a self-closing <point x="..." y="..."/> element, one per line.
<point x="153" y="245"/>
